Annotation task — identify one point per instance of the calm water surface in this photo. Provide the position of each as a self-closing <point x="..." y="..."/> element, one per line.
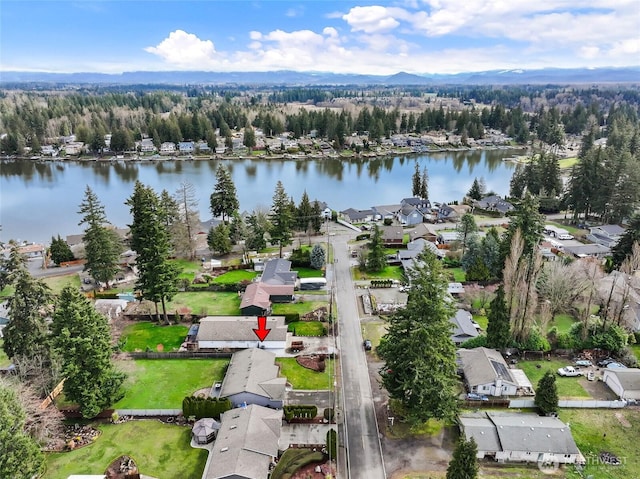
<point x="41" y="199"/>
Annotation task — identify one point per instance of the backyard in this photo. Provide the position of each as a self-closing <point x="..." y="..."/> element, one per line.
<point x="308" y="328"/>
<point x="145" y="335"/>
<point x="303" y="378"/>
<point x="301" y="307"/>
<point x="159" y="450"/>
<point x="568" y="387"/>
<point x="206" y="303"/>
<point x="164" y="383"/>
<point x="235" y="276"/>
<point x="56" y="283"/>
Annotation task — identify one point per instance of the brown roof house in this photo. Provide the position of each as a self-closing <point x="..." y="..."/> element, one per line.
<point x="257" y="297"/>
<point x="252" y="378"/>
<point x="246" y="445"/>
<point x="236" y="332"/>
<point x="392" y="235"/>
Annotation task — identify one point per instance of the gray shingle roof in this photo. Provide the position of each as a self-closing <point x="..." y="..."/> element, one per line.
<point x="239" y="328"/>
<point x="278" y="271"/>
<point x="253" y="371"/>
<point x="462" y="325"/>
<point x="484" y="366"/>
<point x="246" y="443"/>
<point x="629" y="378"/>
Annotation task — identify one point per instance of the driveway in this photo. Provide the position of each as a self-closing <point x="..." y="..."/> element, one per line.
<point x="304" y="434"/>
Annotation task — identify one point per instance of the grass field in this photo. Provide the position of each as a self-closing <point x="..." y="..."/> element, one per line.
<point x="455" y="274"/>
<point x="236" y="276"/>
<point x="636" y="350"/>
<point x="56" y="283"/>
<point x="390" y="272"/>
<point x="300" y="308"/>
<point x="307" y="328"/>
<point x="373" y="331"/>
<point x="303" y="378"/>
<point x="159" y="450"/>
<point x="571" y="229"/>
<point x="567" y="163"/>
<point x="140" y="336"/>
<point x="309" y="273"/>
<point x="4" y="359"/>
<point x="563" y="322"/>
<point x="615" y="431"/>
<point x="482" y="320"/>
<point x="567" y="387"/>
<point x="163" y="383"/>
<point x="207" y="303"/>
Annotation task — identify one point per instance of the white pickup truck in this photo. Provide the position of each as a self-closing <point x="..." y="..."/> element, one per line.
<point x="569" y="371"/>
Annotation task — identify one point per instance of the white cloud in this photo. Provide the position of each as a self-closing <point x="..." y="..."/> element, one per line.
<point x="372" y="19"/>
<point x="184" y="49"/>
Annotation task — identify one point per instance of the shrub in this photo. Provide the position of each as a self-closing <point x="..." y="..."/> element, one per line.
<point x="477" y="342"/>
<point x="363" y="236"/>
<point x="200" y="407"/>
<point x="332" y="443"/>
<point x="328" y="414"/>
<point x="300" y="412"/>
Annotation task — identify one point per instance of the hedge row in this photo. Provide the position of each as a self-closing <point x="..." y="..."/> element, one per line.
<point x="300" y="412"/>
<point x="200" y="407"/>
<point x="381" y="283"/>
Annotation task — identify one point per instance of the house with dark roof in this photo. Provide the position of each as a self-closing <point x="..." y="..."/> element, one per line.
<point x="382" y="212"/>
<point x="494" y="203"/>
<point x="246" y="444"/>
<point x="452" y="213"/>
<point x="252" y="378"/>
<point x="422" y="231"/>
<point x="392" y="235"/>
<point x="278" y="271"/>
<point x="357" y="216"/>
<point x="517" y="437"/>
<point x="408" y="256"/>
<point x="605" y="235"/>
<point x="624" y="382"/>
<point x="584" y="250"/>
<point x="463" y="327"/>
<point x="486" y="372"/>
<point x="236" y="332"/>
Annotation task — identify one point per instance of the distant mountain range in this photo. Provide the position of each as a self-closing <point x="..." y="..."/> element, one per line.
<point x="292" y="78"/>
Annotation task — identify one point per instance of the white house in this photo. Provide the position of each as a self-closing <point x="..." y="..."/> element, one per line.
<point x="236" y="332"/>
<point x="516" y="437"/>
<point x="625" y="382"/>
<point x="486" y="372"/>
<point x="167" y="147"/>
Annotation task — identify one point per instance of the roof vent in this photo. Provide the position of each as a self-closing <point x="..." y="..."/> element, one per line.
<point x="532" y="429"/>
<point x="548" y="435"/>
<point x="224" y="449"/>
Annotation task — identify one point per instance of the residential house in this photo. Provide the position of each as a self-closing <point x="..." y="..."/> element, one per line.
<point x="448" y="237"/>
<point x="517" y="437"/>
<point x="278" y="271"/>
<point x="236" y="332"/>
<point x="74" y="148"/>
<point x="383" y="212"/>
<point x="588" y="250"/>
<point x="49" y="150"/>
<point x="253" y="378"/>
<point x="410" y="215"/>
<point x="408" y="256"/>
<point x="392" y="235"/>
<point x="221" y="149"/>
<point x="451" y="213"/>
<point x="186" y="147"/>
<point x="203" y="147"/>
<point x="257" y="297"/>
<point x="624" y="382"/>
<point x="606" y="235"/>
<point x="422" y="231"/>
<point x="357" y="216"/>
<point x="146" y="145"/>
<point x="246" y="446"/>
<point x="33" y="250"/>
<point x="494" y="203"/>
<point x="486" y="372"/>
<point x="463" y="327"/>
<point x="167" y="148"/>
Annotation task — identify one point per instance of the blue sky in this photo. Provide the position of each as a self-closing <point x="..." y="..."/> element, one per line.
<point x="416" y="36"/>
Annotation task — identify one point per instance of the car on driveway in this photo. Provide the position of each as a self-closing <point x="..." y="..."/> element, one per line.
<point x="569" y="371"/>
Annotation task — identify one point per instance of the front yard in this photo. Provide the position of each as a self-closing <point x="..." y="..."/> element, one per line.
<point x="164" y="383"/>
<point x="206" y="303"/>
<point x="159" y="450"/>
<point x="154" y="336"/>
<point x="568" y="387"/>
<point x="303" y="378"/>
<point x="308" y="328"/>
<point x="302" y="307"/>
<point x="390" y="272"/>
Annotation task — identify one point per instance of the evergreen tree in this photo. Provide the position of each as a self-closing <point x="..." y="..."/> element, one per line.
<point x="102" y="244"/>
<point x="474" y="192"/>
<point x="11" y="265"/>
<point x="20" y="457"/>
<point x="237" y="228"/>
<point x="376" y="256"/>
<point x="59" y="251"/>
<point x="419" y="357"/>
<point x="81" y="337"/>
<point x="498" y="327"/>
<point x="529" y="221"/>
<point x="467" y="228"/>
<point x="424" y="184"/>
<point x="464" y="463"/>
<point x="317" y="257"/>
<point x="303" y="213"/>
<point x="624" y="246"/>
<point x="281" y="218"/>
<point x="547" y="394"/>
<point x="157" y="276"/>
<point x="219" y="239"/>
<point x="255" y="237"/>
<point x="416" y="181"/>
<point x="224" y="201"/>
<point x="316" y="217"/>
<point x="249" y="139"/>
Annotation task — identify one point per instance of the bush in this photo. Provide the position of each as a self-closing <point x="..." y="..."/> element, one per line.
<point x="332" y="443"/>
<point x="328" y="414"/>
<point x="291" y="317"/>
<point x="200" y="407"/>
<point x="294" y="459"/>
<point x="451" y="262"/>
<point x="363" y="236"/>
<point x="300" y="258"/>
<point x="300" y="412"/>
<point x="477" y="342"/>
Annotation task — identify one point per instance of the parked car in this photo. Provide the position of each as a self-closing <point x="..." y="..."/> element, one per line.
<point x="476" y="397"/>
<point x="569" y="371"/>
<point x="584" y="362"/>
<point x="367" y="345"/>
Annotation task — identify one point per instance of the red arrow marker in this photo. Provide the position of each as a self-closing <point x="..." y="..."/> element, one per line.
<point x="262" y="332"/>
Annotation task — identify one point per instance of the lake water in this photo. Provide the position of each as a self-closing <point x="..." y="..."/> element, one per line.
<point x="41" y="199"/>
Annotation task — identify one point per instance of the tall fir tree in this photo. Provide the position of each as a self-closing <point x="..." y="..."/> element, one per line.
<point x="419" y="357"/>
<point x="424" y="184"/>
<point x="224" y="201"/>
<point x="474" y="192"/>
<point x="464" y="463"/>
<point x="82" y="338"/>
<point x="416" y="181"/>
<point x="498" y="327"/>
<point x="376" y="256"/>
<point x="546" y="399"/>
<point x="281" y="218"/>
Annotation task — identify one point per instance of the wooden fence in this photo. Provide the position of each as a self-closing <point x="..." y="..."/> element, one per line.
<point x="52" y="395"/>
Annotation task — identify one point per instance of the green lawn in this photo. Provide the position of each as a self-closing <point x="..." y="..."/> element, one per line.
<point x="373" y="331"/>
<point x="309" y="273"/>
<point x="563" y="322"/>
<point x="140" y="336"/>
<point x="636" y="350"/>
<point x="483" y="321"/>
<point x="567" y="387"/>
<point x="303" y="307"/>
<point x="571" y="229"/>
<point x="4" y="359"/>
<point x="455" y="274"/>
<point x="390" y="272"/>
<point x="163" y="383"/>
<point x="567" y="163"/>
<point x="159" y="450"/>
<point x="589" y="427"/>
<point x="7" y="291"/>
<point x="207" y="303"/>
<point x="56" y="283"/>
<point x="235" y="276"/>
<point x="303" y="378"/>
<point x="308" y="328"/>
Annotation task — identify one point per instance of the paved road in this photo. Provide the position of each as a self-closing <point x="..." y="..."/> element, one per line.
<point x="360" y="434"/>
